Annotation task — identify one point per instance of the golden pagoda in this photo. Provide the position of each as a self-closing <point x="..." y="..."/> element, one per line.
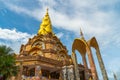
<point x="45" y="56"/>
<point x="45" y="27"/>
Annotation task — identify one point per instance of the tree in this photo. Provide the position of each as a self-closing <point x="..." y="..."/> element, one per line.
<point x="7" y="62"/>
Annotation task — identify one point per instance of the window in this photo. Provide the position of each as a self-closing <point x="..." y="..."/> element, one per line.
<point x="43" y="45"/>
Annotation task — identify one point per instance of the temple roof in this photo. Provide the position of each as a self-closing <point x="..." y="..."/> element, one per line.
<point x="46" y="26"/>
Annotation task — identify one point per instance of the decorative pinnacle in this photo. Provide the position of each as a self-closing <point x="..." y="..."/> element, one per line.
<point x="81" y="33"/>
<point x="47" y="9"/>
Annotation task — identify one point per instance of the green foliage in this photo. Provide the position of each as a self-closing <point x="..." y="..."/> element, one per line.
<point x="7" y="62"/>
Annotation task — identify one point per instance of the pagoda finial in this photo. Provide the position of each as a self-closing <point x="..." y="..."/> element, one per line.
<point x="81" y="33"/>
<point x="45" y="27"/>
<point x="47" y="9"/>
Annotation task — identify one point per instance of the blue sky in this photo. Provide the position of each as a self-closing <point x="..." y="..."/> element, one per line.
<point x="20" y="20"/>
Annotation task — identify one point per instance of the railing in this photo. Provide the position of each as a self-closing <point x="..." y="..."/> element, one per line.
<point x="37" y="78"/>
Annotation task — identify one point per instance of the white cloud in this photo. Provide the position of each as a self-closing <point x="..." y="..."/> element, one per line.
<point x="93" y="20"/>
<point x="12" y="34"/>
<point x="51" y="3"/>
<point x="59" y="35"/>
<point x="13" y="38"/>
<point x="88" y="14"/>
<point x="113" y="64"/>
<point x="111" y="67"/>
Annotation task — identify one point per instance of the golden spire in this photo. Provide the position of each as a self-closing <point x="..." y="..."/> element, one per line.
<point x="45" y="27"/>
<point x="81" y="33"/>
